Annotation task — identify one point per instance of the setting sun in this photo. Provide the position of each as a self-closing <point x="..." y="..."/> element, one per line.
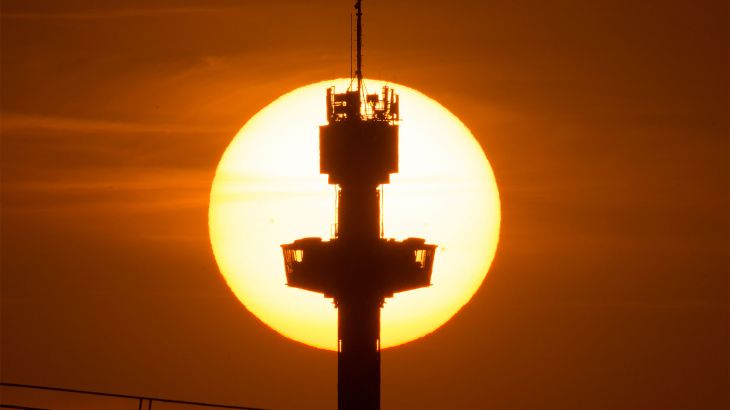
<point x="268" y="191"/>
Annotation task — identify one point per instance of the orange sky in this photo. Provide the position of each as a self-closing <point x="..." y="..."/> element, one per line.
<point x="606" y="124"/>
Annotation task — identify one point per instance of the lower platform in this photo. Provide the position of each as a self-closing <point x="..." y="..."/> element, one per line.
<point x="338" y="267"/>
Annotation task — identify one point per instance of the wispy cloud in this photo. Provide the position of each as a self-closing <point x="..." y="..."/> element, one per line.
<point x="129" y="190"/>
<point x="19" y="122"/>
<point x="114" y="13"/>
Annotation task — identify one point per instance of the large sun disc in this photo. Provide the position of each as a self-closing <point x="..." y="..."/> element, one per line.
<point x="268" y="191"/>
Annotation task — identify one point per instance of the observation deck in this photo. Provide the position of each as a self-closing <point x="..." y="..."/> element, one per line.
<point x="395" y="266"/>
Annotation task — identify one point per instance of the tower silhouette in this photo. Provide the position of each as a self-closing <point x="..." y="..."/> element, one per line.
<point x="358" y="267"/>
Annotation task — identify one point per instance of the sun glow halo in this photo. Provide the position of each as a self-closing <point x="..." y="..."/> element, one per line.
<point x="268" y="191"/>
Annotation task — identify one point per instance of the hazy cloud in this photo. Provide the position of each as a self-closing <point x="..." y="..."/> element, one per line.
<point x="19" y="122"/>
<point x="114" y="13"/>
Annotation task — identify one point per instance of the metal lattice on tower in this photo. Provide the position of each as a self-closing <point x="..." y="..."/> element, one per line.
<point x="358" y="267"/>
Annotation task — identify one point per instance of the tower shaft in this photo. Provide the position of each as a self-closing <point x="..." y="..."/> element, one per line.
<point x="358" y="212"/>
<point x="358" y="304"/>
<point x="358" y="356"/>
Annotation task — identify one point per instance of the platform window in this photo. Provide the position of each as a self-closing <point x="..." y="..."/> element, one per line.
<point x="421" y="257"/>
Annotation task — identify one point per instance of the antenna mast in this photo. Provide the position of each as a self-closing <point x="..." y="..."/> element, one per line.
<point x="358" y="71"/>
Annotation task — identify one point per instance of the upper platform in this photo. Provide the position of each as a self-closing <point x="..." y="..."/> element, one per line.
<point x="359" y="145"/>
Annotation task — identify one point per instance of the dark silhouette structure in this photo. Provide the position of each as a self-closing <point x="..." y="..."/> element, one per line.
<point x="359" y="268"/>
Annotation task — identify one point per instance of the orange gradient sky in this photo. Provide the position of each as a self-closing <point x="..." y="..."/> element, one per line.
<point x="605" y="124"/>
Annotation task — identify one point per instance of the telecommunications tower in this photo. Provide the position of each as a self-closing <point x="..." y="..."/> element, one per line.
<point x="358" y="267"/>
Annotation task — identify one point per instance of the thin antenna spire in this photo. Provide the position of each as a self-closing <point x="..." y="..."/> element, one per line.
<point x="358" y="71"/>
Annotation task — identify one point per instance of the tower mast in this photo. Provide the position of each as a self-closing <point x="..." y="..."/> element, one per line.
<point x="358" y="70"/>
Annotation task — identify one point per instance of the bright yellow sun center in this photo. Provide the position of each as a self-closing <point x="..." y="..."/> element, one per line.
<point x="268" y="191"/>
